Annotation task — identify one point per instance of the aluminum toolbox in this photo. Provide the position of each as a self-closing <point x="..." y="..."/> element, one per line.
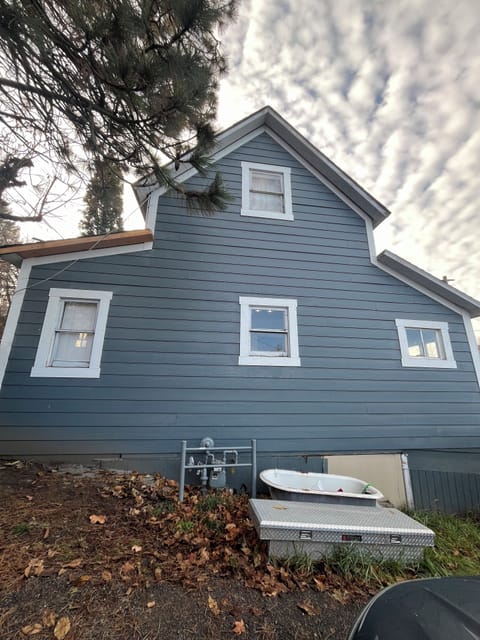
<point x="317" y="529"/>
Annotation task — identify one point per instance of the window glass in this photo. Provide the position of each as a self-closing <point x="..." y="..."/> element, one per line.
<point x="74" y="337"/>
<point x="433" y="343"/>
<point x="269" y="342"/>
<point x="266" y="191"/>
<point x="269" y="182"/>
<point x="425" y="343"/>
<point x="266" y="202"/>
<point x="72" y="350"/>
<point x="79" y="316"/>
<point x="415" y="345"/>
<point x="269" y="319"/>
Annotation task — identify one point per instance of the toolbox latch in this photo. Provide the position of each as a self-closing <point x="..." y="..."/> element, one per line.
<point x="306" y="534"/>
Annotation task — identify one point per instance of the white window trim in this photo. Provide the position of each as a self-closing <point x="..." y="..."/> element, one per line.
<point x="247" y="167"/>
<point x="246" y="357"/>
<point x="45" y="345"/>
<point x="409" y="361"/>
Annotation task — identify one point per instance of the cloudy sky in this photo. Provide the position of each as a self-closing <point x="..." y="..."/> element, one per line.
<point x="390" y="91"/>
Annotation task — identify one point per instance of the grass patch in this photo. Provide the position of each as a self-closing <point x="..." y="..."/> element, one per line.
<point x="167" y="506"/>
<point x="212" y="501"/>
<point x="355" y="564"/>
<point x="457" y="545"/>
<point x="456" y="552"/>
<point x="21" y="528"/>
<point x="301" y="563"/>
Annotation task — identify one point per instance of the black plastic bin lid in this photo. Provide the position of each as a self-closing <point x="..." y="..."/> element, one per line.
<point x="433" y="609"/>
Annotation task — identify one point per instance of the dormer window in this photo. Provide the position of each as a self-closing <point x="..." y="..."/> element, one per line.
<point x="266" y="191"/>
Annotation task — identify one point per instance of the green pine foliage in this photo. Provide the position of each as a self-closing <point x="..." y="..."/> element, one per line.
<point x="131" y="81"/>
<point x="103" y="202"/>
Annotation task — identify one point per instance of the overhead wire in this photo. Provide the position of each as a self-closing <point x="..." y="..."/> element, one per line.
<point x="91" y="248"/>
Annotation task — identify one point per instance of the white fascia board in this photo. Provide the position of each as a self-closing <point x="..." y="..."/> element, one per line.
<point x="473" y="344"/>
<point x="321" y="178"/>
<point x="13" y="315"/>
<point x="399" y="276"/>
<point x="325" y="167"/>
<point x="92" y="253"/>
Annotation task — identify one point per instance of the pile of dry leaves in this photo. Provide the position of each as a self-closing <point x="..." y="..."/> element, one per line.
<point x="130" y="531"/>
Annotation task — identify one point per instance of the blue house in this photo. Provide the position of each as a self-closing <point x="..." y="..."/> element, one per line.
<point x="274" y="320"/>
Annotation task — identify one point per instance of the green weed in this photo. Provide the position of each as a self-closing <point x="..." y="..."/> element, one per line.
<point x="353" y="562"/>
<point x="301" y="563"/>
<point x="167" y="506"/>
<point x="185" y="526"/>
<point x="456" y="552"/>
<point x="21" y="528"/>
<point x="457" y="545"/>
<point x="211" y="501"/>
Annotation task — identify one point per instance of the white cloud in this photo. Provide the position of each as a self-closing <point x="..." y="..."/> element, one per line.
<point x="389" y="91"/>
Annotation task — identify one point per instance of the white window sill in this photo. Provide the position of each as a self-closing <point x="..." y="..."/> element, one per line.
<point x="269" y="362"/>
<point x="271" y="215"/>
<point x="65" y="372"/>
<point x="429" y="362"/>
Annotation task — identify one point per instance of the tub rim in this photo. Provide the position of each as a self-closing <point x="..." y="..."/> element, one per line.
<point x="377" y="495"/>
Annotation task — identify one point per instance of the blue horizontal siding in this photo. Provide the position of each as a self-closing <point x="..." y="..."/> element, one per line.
<point x="170" y="363"/>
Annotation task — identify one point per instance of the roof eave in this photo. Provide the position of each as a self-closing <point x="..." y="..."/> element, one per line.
<point x="269" y="118"/>
<point x="433" y="284"/>
<point x="15" y="254"/>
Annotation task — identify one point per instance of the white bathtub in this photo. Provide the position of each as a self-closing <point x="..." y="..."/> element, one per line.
<point x="319" y="487"/>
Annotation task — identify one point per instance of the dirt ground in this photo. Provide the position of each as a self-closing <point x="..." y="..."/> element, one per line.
<point x="115" y="556"/>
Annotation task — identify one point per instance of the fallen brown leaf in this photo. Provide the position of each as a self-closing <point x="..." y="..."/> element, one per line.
<point x="106" y="576"/>
<point x="94" y="519"/>
<point x="32" y="629"/>
<point x="239" y="627"/>
<point x="49" y="617"/>
<point x="340" y="595"/>
<point x="151" y="604"/>
<point x="320" y="583"/>
<point x="35" y="568"/>
<point x="73" y="564"/>
<point x="62" y="628"/>
<point x="308" y="608"/>
<point x="213" y="606"/>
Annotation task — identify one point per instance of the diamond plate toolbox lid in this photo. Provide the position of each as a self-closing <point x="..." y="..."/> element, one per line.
<point x="288" y="520"/>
